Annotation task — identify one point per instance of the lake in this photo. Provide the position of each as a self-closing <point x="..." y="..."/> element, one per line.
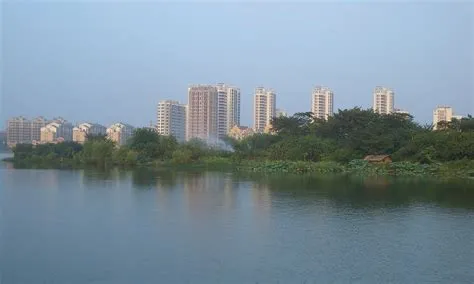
<point x="90" y="226"/>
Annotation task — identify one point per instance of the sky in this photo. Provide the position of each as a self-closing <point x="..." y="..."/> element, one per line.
<point x="110" y="61"/>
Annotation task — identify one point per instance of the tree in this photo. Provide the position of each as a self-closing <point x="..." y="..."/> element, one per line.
<point x="149" y="145"/>
<point x="298" y="124"/>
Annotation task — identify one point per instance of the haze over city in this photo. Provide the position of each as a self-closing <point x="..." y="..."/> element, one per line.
<point x="107" y="62"/>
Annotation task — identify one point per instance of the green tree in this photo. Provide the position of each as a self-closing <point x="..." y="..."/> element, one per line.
<point x="150" y="146"/>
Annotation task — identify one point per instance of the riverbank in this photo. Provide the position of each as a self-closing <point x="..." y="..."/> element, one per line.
<point x="461" y="169"/>
<point x="457" y="169"/>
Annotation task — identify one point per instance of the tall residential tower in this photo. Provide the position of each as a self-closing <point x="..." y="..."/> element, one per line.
<point x="384" y="99"/>
<point x="322" y="102"/>
<point x="202" y="112"/>
<point x="171" y="119"/>
<point x="442" y="114"/>
<point x="228" y="108"/>
<point x="264" y="108"/>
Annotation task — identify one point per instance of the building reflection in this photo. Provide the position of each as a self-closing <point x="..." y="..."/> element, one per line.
<point x="225" y="193"/>
<point x="261" y="198"/>
<point x="103" y="177"/>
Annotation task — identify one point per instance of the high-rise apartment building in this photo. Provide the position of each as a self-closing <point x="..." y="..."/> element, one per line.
<point x="384" y="100"/>
<point x="202" y="112"/>
<point x="22" y="130"/>
<point x="228" y="108"/>
<point x="120" y="133"/>
<point x="171" y="119"/>
<point x="322" y="103"/>
<point x="442" y="114"/>
<point x="56" y="131"/>
<point x="264" y="108"/>
<point x="3" y="137"/>
<point x="80" y="132"/>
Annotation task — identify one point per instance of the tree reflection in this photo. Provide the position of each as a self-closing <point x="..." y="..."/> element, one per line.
<point x="150" y="179"/>
<point x="363" y="192"/>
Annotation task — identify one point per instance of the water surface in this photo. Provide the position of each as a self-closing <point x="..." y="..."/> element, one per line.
<point x="88" y="226"/>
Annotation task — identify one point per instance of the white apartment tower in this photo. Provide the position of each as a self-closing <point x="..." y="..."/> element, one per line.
<point x="264" y="108"/>
<point x="442" y="113"/>
<point x="171" y="119"/>
<point x="322" y="104"/>
<point x="202" y="112"/>
<point x="228" y="108"/>
<point x="384" y="99"/>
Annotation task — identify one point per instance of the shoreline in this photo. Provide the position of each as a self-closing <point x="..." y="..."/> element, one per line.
<point x="461" y="169"/>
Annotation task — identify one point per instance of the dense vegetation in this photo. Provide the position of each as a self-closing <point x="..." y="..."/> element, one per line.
<point x="300" y="143"/>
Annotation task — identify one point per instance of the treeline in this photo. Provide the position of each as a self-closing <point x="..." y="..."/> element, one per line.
<point x="354" y="133"/>
<point x="145" y="148"/>
<point x="348" y="135"/>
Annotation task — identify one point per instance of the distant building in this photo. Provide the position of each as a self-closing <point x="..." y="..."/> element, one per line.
<point x="322" y="102"/>
<point x="36" y="125"/>
<point x="240" y="132"/>
<point x="228" y="108"/>
<point x="269" y="129"/>
<point x="458" y="117"/>
<point x="80" y="132"/>
<point x="120" y="133"/>
<point x="3" y="137"/>
<point x="280" y="112"/>
<point x="384" y="100"/>
<point x="264" y="108"/>
<point x="22" y="130"/>
<point x="59" y="130"/>
<point x="401" y="111"/>
<point x="442" y="114"/>
<point x="171" y="119"/>
<point x="202" y="112"/>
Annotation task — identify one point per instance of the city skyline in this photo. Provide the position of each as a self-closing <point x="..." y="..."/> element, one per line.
<point x="173" y="119"/>
<point x="61" y="56"/>
<point x="378" y="92"/>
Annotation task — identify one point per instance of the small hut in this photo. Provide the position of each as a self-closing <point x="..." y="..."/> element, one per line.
<point x="378" y="159"/>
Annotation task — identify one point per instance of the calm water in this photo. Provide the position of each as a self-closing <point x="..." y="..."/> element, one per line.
<point x="207" y="227"/>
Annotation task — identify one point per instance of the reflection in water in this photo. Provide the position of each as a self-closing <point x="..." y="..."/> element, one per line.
<point x="146" y="226"/>
<point x="103" y="177"/>
<point x="351" y="190"/>
<point x="361" y="192"/>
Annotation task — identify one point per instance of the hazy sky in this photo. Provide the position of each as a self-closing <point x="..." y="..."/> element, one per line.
<point x="106" y="62"/>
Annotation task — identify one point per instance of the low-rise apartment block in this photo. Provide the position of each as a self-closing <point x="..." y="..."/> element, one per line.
<point x="56" y="131"/>
<point x="240" y="132"/>
<point x="83" y="130"/>
<point x="120" y="133"/>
